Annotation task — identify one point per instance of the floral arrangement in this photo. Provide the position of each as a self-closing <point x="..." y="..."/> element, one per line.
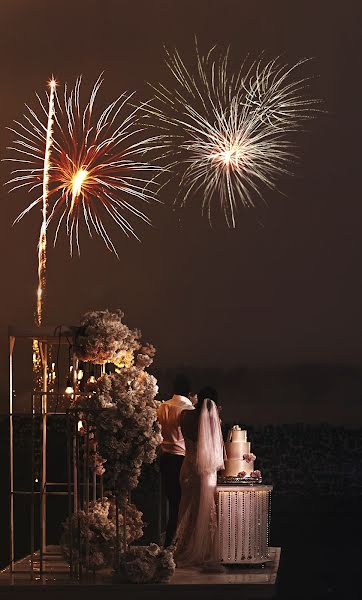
<point x="96" y="462"/>
<point x="147" y="564"/>
<point x="102" y="338"/>
<point x="249" y="457"/>
<point x="242" y="474"/>
<point x="128" y="432"/>
<point x="118" y="412"/>
<point x="255" y="474"/>
<point x="98" y="528"/>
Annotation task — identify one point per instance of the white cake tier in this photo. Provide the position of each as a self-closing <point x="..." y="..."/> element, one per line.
<point x="238" y="435"/>
<point x="237" y="449"/>
<point x="234" y="466"/>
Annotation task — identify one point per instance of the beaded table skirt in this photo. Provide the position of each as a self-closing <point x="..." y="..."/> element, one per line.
<point x="244" y="523"/>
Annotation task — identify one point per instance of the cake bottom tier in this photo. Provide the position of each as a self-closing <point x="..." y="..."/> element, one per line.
<point x="234" y="466"/>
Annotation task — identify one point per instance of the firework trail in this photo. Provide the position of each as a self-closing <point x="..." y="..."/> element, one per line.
<point x="42" y="245"/>
<point x="230" y="133"/>
<point x="97" y="169"/>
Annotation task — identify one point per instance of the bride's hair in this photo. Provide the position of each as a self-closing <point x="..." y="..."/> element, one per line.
<point x="209" y="452"/>
<point x="207" y="392"/>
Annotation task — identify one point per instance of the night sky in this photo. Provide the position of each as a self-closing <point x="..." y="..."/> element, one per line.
<point x="283" y="288"/>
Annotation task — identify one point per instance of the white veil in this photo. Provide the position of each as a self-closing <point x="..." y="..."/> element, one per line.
<point x="209" y="460"/>
<point x="198" y="526"/>
<point x="210" y="445"/>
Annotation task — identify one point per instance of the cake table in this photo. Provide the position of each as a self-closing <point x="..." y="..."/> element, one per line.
<point x="244" y="523"/>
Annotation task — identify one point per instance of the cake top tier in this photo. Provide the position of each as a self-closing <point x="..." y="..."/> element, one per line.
<point x="236" y="434"/>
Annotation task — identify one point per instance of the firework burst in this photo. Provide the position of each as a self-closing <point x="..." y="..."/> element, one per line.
<point x="96" y="169"/>
<point x="230" y="133"/>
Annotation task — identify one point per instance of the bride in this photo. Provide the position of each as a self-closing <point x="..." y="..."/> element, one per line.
<point x="196" y="537"/>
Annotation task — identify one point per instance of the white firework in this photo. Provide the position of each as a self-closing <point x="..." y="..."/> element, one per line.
<point x="231" y="134"/>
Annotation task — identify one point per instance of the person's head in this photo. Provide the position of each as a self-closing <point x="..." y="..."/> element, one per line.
<point x="206" y="392"/>
<point x="181" y="385"/>
<point x="193" y="398"/>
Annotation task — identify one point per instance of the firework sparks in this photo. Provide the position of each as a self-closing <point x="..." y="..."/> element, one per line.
<point x="230" y="133"/>
<point x="97" y="167"/>
<point x="42" y="245"/>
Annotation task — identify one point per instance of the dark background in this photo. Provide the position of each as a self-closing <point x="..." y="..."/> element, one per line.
<point x="284" y="288"/>
<point x="269" y="313"/>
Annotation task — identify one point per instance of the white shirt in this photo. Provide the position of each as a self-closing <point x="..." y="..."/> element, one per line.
<point x="168" y="415"/>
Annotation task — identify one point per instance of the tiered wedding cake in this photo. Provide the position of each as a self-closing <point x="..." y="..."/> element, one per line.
<point x="240" y="461"/>
<point x="243" y="505"/>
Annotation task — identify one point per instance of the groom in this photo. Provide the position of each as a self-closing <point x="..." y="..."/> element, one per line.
<point x="173" y="448"/>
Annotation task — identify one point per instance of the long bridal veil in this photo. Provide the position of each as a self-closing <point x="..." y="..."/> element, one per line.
<point x="210" y="445"/>
<point x="197" y="531"/>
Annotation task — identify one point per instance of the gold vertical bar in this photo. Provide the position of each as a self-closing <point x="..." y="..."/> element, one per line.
<point x="44" y="352"/>
<point x="11" y="452"/>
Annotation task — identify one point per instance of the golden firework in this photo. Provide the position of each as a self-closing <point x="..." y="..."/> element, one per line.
<point x="97" y="167"/>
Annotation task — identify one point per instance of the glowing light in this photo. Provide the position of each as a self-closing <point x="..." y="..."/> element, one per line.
<point x="77" y="185"/>
<point x="231" y="134"/>
<point x="230" y="156"/>
<point x="125" y="361"/>
<point x="69" y="390"/>
<point x="98" y="171"/>
<point x="80" y="425"/>
<point x="37" y="366"/>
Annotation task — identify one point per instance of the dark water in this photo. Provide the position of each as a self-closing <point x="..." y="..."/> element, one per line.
<point x="321" y="547"/>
